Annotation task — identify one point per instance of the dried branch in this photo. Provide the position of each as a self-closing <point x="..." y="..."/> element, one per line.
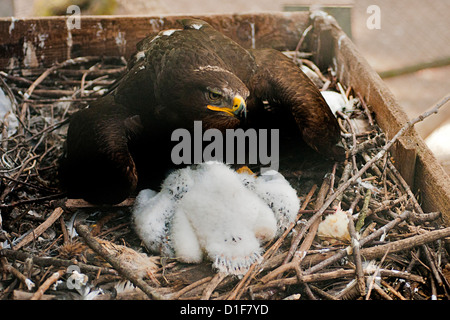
<point x="56" y="262"/>
<point x="19" y="275"/>
<point x="128" y="274"/>
<point x="47" y="283"/>
<point x="405" y="244"/>
<point x="40" y="229"/>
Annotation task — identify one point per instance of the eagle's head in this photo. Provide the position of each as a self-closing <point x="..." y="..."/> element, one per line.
<point x="224" y="98"/>
<point x="209" y="93"/>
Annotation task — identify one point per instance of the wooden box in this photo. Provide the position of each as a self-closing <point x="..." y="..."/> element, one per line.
<point x="41" y="42"/>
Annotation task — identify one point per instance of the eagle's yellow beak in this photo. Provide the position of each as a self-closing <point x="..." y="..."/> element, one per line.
<point x="239" y="108"/>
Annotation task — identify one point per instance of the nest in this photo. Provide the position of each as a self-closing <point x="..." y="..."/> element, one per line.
<point x="52" y="247"/>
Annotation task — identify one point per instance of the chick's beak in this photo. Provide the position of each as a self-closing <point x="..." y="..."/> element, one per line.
<point x="238" y="110"/>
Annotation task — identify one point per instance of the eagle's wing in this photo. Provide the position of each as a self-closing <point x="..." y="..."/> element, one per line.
<point x="280" y="82"/>
<point x="97" y="164"/>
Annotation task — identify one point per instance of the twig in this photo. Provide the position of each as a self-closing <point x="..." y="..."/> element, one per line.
<point x="363" y="212"/>
<point x="306" y="244"/>
<point x="360" y="280"/>
<point x="47" y="261"/>
<point x="392" y="290"/>
<point x="188" y="288"/>
<point x="44" y="75"/>
<point x="125" y="272"/>
<point x="40" y="229"/>
<point x="366" y="109"/>
<point x="63" y="64"/>
<point x="405" y="244"/>
<point x="376" y="274"/>
<point x="300" y="42"/>
<point x="432" y="264"/>
<point x="215" y="281"/>
<point x="381" y="292"/>
<point x="323" y="276"/>
<point x="405" y="186"/>
<point x="19" y="275"/>
<point x="322" y="293"/>
<point x="401" y="274"/>
<point x="80" y="203"/>
<point x="47" y="283"/>
<point x="25" y="201"/>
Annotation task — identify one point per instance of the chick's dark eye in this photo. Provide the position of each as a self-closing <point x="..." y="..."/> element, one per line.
<point x="214" y="96"/>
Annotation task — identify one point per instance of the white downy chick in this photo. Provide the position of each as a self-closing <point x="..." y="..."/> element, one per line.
<point x="278" y="194"/>
<point x="208" y="212"/>
<point x="153" y="212"/>
<point x="152" y="215"/>
<point x="227" y="220"/>
<point x="335" y="226"/>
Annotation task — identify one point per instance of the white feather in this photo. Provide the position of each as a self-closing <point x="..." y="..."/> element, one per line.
<point x="335" y="226"/>
<point x="335" y="101"/>
<point x="168" y="32"/>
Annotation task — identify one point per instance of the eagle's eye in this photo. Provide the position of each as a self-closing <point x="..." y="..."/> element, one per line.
<point x="214" y="96"/>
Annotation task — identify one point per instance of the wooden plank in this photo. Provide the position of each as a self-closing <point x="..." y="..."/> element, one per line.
<point x="412" y="157"/>
<point x="44" y="41"/>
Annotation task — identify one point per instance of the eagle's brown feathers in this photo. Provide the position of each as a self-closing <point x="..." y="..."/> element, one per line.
<point x="122" y="141"/>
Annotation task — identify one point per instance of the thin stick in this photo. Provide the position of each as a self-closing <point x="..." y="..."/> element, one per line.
<point x="47" y="72"/>
<point x="363" y="212"/>
<point x="381" y="292"/>
<point x="366" y="109"/>
<point x="47" y="283"/>
<point x="391" y="289"/>
<point x="45" y="262"/>
<point x="360" y="280"/>
<point x="302" y="38"/>
<point x="376" y="274"/>
<point x="432" y="265"/>
<point x="40" y="229"/>
<point x="306" y="244"/>
<point x="188" y="288"/>
<point x="44" y="75"/>
<point x="19" y="275"/>
<point x="405" y="244"/>
<point x="215" y="281"/>
<point x="405" y="186"/>
<point x="125" y="272"/>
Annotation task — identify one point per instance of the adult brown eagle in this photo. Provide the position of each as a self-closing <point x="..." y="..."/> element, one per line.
<point x="175" y="78"/>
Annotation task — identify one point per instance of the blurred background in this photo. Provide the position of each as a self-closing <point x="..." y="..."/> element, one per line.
<point x="410" y="48"/>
